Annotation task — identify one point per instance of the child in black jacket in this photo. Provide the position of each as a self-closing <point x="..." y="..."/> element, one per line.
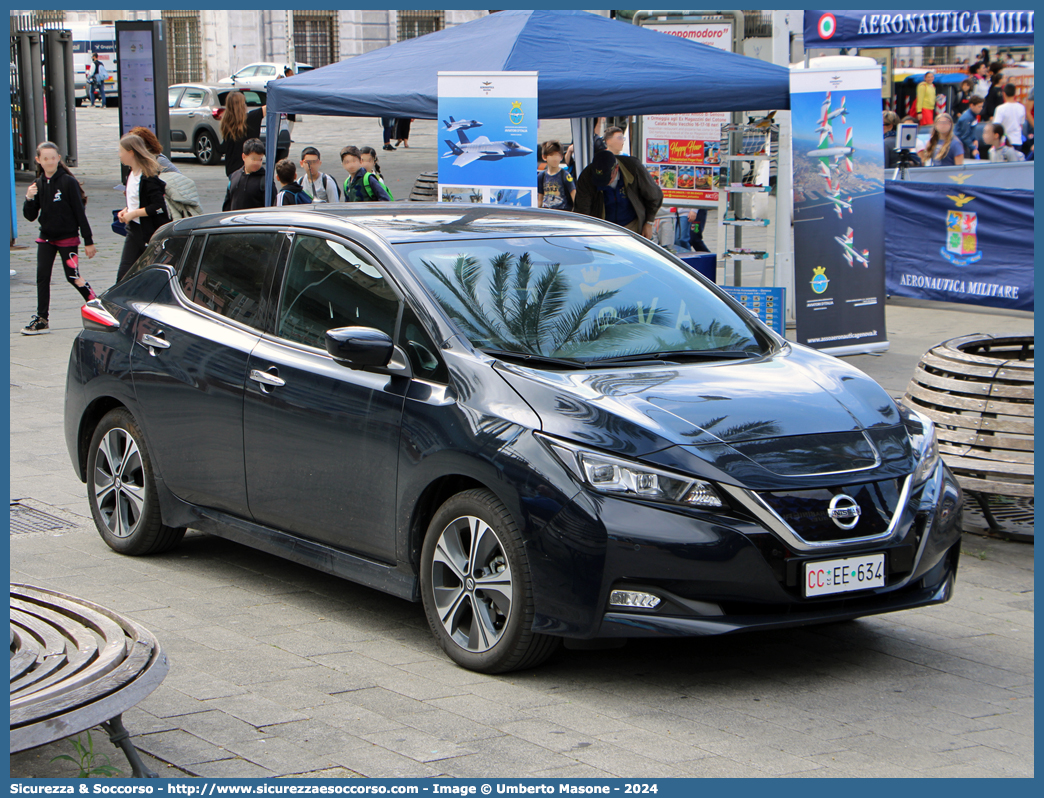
<point x="55" y="197"/>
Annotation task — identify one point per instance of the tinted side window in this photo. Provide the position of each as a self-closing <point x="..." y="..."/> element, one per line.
<point x="233" y="273"/>
<point x="166" y="251"/>
<point x="328" y="285"/>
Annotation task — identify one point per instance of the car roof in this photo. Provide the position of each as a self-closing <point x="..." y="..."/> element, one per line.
<point x="273" y="63"/>
<point x="211" y="86"/>
<point x="404" y="222"/>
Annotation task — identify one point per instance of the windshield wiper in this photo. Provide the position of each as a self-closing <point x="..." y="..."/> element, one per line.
<point x="669" y="357"/>
<point x="528" y="359"/>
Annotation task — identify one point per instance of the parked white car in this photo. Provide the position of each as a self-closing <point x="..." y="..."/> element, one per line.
<point x="257" y="75"/>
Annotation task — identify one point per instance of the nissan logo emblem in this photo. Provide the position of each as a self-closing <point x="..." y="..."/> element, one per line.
<point x="844" y="511"/>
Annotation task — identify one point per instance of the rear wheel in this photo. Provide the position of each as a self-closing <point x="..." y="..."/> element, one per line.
<point x="205" y="148"/>
<point x="121" y="489"/>
<point x="476" y="587"/>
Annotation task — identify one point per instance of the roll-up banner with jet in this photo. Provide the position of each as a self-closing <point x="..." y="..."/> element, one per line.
<point x="838" y="209"/>
<point x="488" y="137"/>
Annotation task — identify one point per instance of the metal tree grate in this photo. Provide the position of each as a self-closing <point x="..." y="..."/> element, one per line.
<point x="27" y="519"/>
<point x="1013" y="517"/>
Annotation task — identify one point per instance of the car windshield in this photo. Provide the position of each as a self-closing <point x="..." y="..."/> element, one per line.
<point x="578" y="299"/>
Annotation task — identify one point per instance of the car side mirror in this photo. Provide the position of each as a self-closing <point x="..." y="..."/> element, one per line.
<point x="366" y="348"/>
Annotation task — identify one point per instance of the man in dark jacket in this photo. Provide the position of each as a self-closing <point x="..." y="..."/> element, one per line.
<point x="618" y="189"/>
<point x="246" y="186"/>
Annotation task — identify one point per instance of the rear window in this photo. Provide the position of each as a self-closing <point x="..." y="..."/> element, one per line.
<point x="253" y="98"/>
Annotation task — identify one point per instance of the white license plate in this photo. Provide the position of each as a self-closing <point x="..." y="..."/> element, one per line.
<point x="841" y="576"/>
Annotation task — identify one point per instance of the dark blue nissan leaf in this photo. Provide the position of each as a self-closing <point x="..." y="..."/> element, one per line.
<point x="538" y="425"/>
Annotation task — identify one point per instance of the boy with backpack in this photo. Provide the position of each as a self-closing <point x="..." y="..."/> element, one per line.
<point x="316" y="183"/>
<point x="290" y="191"/>
<point x="360" y="185"/>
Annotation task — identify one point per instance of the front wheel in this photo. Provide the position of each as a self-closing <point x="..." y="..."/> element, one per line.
<point x="476" y="587"/>
<point x="206" y="148"/>
<point x="121" y="489"/>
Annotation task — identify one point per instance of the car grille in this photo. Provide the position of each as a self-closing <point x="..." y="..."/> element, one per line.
<point x="806" y="511"/>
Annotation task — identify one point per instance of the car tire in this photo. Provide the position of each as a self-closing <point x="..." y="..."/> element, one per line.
<point x="205" y="148"/>
<point x="477" y="589"/>
<point x="121" y="489"/>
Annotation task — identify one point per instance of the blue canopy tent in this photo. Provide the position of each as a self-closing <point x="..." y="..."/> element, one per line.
<point x="607" y="68"/>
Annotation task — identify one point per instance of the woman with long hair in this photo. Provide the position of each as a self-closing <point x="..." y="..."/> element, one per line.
<point x="56" y="197"/>
<point x="153" y="145"/>
<point x="146" y="209"/>
<point x="234" y="131"/>
<point x="944" y="148"/>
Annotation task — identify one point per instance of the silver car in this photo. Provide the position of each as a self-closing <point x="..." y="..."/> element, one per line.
<point x="257" y="75"/>
<point x="195" y="117"/>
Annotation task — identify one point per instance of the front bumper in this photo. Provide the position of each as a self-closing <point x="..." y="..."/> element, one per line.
<point x="724" y="573"/>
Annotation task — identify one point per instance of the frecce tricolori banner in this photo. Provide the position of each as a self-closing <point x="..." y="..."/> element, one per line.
<point x="838" y="209"/>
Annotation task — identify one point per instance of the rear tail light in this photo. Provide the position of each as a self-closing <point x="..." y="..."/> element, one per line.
<point x="217" y="112"/>
<point x="95" y="317"/>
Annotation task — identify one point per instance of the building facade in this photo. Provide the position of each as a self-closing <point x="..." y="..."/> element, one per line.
<point x="207" y="45"/>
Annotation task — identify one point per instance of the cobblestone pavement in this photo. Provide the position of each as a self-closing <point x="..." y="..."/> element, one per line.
<point x="279" y="670"/>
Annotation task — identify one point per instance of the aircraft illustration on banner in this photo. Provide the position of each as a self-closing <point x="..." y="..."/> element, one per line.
<point x="825" y="128"/>
<point x="825" y="153"/>
<point x="482" y="149"/>
<point x="840" y="203"/>
<point x="460" y="124"/>
<point x="850" y="251"/>
<point x="840" y="112"/>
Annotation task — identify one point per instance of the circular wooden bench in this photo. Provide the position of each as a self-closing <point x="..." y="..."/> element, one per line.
<point x="76" y="665"/>
<point x="426" y="188"/>
<point x="978" y="389"/>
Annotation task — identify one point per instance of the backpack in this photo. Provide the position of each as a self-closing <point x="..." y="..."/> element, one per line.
<point x="366" y="183"/>
<point x="370" y="193"/>
<point x="300" y="197"/>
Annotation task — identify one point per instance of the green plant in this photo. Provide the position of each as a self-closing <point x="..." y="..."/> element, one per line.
<point x="88" y="760"/>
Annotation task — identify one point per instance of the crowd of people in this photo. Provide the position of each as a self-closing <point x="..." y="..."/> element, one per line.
<point x="987" y="123"/>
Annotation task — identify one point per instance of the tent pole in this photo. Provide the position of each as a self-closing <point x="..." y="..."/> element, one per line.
<point x="271" y="141"/>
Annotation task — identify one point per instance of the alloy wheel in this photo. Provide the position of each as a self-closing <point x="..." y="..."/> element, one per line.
<point x="205" y="149"/>
<point x="471" y="581"/>
<point x="119" y="483"/>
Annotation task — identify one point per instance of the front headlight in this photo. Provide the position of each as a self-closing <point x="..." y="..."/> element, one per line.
<point x="925" y="443"/>
<point x="617" y="476"/>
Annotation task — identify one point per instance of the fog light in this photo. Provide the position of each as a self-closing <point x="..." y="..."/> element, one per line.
<point x="633" y="598"/>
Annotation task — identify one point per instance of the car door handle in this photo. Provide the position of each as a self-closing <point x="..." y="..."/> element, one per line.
<point x="266" y="379"/>
<point x="152" y="343"/>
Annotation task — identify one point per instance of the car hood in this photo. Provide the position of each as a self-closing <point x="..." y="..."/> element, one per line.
<point x="797" y="413"/>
